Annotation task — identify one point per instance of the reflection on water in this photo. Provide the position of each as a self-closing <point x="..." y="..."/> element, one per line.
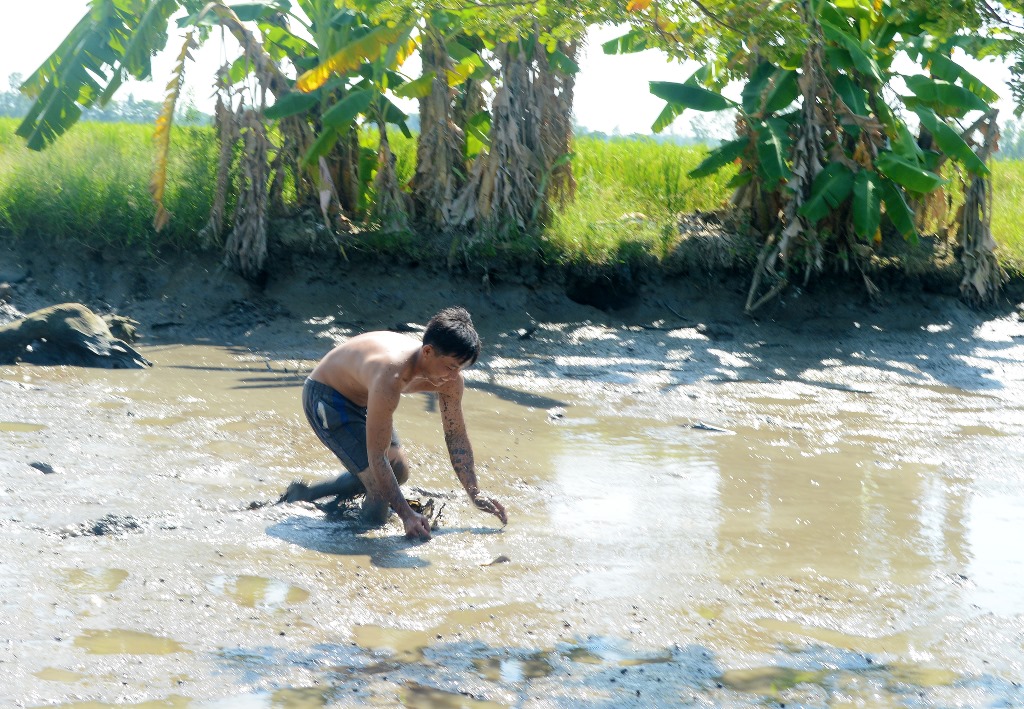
<point x="20" y="427"/>
<point x="161" y="421"/>
<point x="55" y="674"/>
<point x="258" y="592"/>
<point x="171" y="702"/>
<point x="419" y="696"/>
<point x="403" y="645"/>
<point x="514" y="669"/>
<point x="995" y="577"/>
<point x="601" y="651"/>
<point x="127" y="642"/>
<point x="773" y="681"/>
<point x="770" y="680"/>
<point x="842" y="535"/>
<point x="293" y="698"/>
<point x="94" y="580"/>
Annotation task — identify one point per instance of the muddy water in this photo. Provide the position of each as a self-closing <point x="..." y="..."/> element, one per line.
<point x="687" y="525"/>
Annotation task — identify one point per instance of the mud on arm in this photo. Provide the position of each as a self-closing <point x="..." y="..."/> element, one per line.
<point x="461" y="451"/>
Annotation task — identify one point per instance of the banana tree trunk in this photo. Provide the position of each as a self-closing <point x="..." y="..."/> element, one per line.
<point x="344" y="172"/>
<point x="555" y="89"/>
<point x="983" y="276"/>
<point x="389" y="209"/>
<point x="527" y="165"/>
<point x="440" y="148"/>
<point x="245" y="250"/>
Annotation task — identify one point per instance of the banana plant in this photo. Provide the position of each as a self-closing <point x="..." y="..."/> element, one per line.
<point x="347" y="65"/>
<point x="823" y="129"/>
<point x="115" y="39"/>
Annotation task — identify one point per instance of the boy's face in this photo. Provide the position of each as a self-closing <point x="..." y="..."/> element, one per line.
<point x="439" y="369"/>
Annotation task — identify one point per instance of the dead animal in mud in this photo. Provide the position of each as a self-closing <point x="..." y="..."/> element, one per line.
<point x="108" y="525"/>
<point x="427" y="510"/>
<point x="342" y="509"/>
<point x="72" y="334"/>
<point x="44" y="468"/>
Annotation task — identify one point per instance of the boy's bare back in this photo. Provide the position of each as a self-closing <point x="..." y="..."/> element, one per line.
<point x="382" y="358"/>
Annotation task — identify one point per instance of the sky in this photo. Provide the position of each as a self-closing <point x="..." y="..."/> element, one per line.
<point x="611" y="91"/>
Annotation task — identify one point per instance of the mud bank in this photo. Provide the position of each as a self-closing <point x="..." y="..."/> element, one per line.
<point x="808" y="509"/>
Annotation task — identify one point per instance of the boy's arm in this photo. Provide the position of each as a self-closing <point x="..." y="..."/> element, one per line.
<point x="460" y="450"/>
<point x="381" y="403"/>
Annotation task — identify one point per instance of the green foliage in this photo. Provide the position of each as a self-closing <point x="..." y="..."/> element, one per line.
<point x="403" y="147"/>
<point x="630" y="194"/>
<point x="831" y="188"/>
<point x="1008" y="213"/>
<point x="113" y="39"/>
<point x="825" y="113"/>
<point x="92" y="187"/>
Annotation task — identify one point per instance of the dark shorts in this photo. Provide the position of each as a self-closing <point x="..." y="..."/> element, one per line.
<point x="339" y="424"/>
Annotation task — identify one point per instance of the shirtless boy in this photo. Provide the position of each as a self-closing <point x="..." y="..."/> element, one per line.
<point x="350" y="399"/>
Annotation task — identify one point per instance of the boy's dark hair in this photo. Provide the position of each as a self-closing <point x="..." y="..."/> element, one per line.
<point x="451" y="333"/>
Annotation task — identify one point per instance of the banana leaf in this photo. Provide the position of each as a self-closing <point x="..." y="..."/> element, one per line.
<point x="321" y="146"/>
<point x="867" y="204"/>
<point x="769" y="89"/>
<point x="691" y="96"/>
<point x="629" y="43"/>
<point x="721" y="156"/>
<point x="944" y="98"/>
<point x="417" y="88"/>
<point x="667" y="116"/>
<point x="394" y="115"/>
<point x="830" y="189"/>
<point x="944" y="68"/>
<point x="773" y="144"/>
<point x="853" y="95"/>
<point x="950" y="142"/>
<point x="864" y="62"/>
<point x="897" y="210"/>
<point x="87" y="67"/>
<point x="342" y="114"/>
<point x="368" y="48"/>
<point x="563" y="63"/>
<point x="291" y="104"/>
<point x="908" y="174"/>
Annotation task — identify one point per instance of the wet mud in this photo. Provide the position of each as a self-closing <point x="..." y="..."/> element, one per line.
<point x="816" y="510"/>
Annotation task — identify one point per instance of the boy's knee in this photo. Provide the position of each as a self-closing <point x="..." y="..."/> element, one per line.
<point x="374" y="512"/>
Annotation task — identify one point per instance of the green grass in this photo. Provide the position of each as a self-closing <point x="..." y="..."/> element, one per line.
<point x="629" y="193"/>
<point x="91" y="188"/>
<point x="1008" y="213"/>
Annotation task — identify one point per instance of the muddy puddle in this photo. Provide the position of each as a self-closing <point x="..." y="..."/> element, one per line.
<point x="690" y="524"/>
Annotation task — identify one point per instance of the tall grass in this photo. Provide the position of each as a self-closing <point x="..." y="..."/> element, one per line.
<point x="92" y="186"/>
<point x="1008" y="213"/>
<point x="630" y="192"/>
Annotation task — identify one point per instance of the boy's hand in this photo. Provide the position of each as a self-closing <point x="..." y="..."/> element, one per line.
<point x="491" y="506"/>
<point x="416" y="526"/>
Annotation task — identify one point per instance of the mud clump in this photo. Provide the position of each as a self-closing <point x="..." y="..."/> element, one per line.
<point x="109" y="525"/>
<point x="69" y="333"/>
